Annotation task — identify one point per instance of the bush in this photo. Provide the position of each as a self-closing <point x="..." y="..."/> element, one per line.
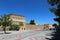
<point x="14" y="27"/>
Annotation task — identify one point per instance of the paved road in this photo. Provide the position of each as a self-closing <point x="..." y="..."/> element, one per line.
<point x="27" y="35"/>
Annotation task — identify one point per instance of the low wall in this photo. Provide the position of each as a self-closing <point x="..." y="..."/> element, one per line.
<point x="34" y="27"/>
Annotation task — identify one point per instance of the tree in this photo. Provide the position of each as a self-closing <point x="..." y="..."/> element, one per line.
<point x="21" y="24"/>
<point x="55" y="25"/>
<point x="14" y="27"/>
<point x="56" y="11"/>
<point x="5" y="21"/>
<point x="32" y="22"/>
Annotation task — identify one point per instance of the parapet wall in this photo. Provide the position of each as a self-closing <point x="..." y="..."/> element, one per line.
<point x="34" y="27"/>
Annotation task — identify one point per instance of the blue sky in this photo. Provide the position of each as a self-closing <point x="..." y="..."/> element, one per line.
<point x="32" y="9"/>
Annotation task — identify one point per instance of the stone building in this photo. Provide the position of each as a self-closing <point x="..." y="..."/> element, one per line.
<point x="48" y="26"/>
<point x="17" y="19"/>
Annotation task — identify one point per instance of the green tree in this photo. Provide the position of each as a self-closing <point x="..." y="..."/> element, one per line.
<point x="5" y="22"/>
<point x="14" y="27"/>
<point x="55" y="25"/>
<point x="32" y="22"/>
<point x="56" y="10"/>
<point x="21" y="24"/>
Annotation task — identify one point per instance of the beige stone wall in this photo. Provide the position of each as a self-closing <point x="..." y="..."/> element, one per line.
<point x="48" y="26"/>
<point x="32" y="27"/>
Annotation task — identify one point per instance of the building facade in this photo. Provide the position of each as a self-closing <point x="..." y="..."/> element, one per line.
<point x="48" y="26"/>
<point x="17" y="19"/>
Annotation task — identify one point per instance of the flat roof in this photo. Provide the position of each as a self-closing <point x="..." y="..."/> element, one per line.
<point x="16" y="15"/>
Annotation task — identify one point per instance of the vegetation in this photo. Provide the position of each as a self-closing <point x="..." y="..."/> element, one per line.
<point x="14" y="27"/>
<point x="32" y="22"/>
<point x="21" y="24"/>
<point x="55" y="25"/>
<point x="56" y="11"/>
<point x="5" y="22"/>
